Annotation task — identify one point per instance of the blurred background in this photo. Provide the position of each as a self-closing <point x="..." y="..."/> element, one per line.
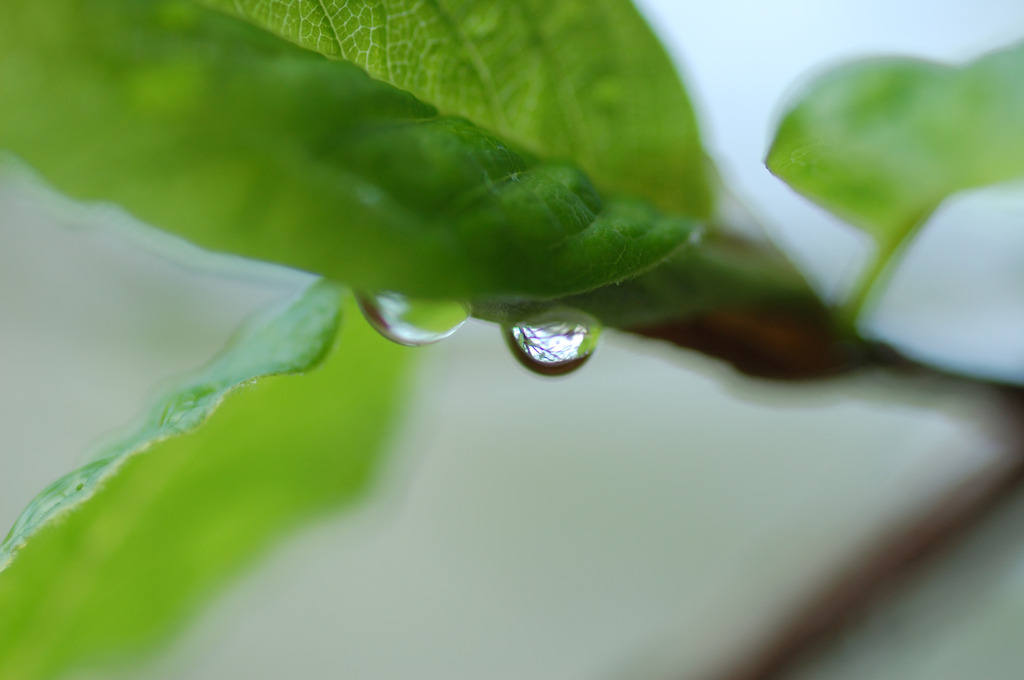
<point x="650" y="516"/>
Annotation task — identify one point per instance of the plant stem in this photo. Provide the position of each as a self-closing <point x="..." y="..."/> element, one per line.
<point x="894" y="560"/>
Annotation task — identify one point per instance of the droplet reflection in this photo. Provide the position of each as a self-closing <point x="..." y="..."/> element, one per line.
<point x="412" y="322"/>
<point x="555" y="343"/>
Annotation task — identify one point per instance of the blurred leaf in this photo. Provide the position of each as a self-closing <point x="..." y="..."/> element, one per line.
<point x="881" y="143"/>
<point x="211" y="128"/>
<point x="118" y="553"/>
<point x="584" y="80"/>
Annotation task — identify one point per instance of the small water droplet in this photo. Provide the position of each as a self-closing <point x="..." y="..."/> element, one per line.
<point x="412" y="322"/>
<point x="554" y="343"/>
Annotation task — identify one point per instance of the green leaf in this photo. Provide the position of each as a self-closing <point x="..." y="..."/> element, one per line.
<point x="881" y="143"/>
<point x="206" y="126"/>
<point x="584" y="80"/>
<point x="117" y="554"/>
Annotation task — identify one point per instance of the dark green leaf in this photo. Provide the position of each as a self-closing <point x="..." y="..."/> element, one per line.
<point x="208" y="127"/>
<point x="584" y="81"/>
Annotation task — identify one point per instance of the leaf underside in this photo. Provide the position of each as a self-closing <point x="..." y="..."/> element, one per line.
<point x="580" y="81"/>
<point x="218" y="131"/>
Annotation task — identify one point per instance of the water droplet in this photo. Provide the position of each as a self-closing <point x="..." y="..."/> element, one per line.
<point x="412" y="322"/>
<point x="554" y="343"/>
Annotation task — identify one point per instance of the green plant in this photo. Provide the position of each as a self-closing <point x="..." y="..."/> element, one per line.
<point x="447" y="174"/>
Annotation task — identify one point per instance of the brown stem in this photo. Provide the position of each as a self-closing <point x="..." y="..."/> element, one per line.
<point x="772" y="345"/>
<point x="895" y="558"/>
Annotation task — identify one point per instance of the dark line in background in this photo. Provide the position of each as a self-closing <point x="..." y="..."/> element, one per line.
<point x="895" y="559"/>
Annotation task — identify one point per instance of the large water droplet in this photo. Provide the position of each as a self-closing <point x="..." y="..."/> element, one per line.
<point x="412" y="322"/>
<point x="555" y="343"/>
